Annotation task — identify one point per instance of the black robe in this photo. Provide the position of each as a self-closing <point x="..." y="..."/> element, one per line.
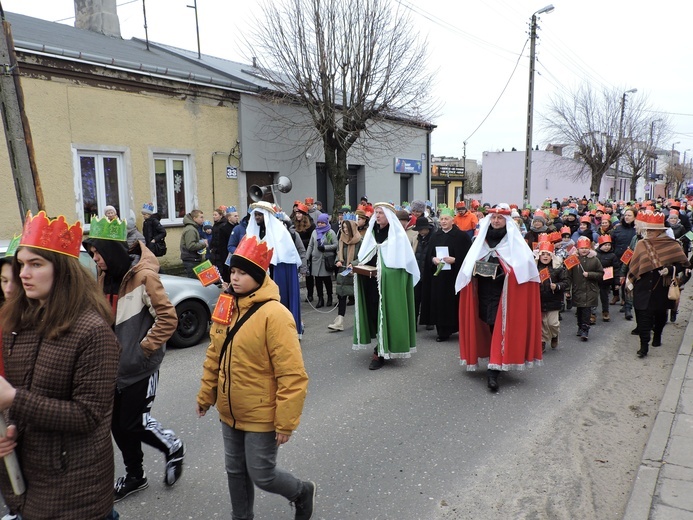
<point x="438" y="299"/>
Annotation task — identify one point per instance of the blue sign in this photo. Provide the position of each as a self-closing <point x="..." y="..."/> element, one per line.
<point x="231" y="172"/>
<point x="410" y="166"/>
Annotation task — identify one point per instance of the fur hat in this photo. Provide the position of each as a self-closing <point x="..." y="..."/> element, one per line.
<point x="417" y="205"/>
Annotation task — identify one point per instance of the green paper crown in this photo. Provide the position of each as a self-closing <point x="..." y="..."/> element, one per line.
<point x="101" y="228"/>
<point x="13" y="245"/>
<point x="447" y="211"/>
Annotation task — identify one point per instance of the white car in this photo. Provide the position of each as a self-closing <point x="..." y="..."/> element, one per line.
<point x="194" y="303"/>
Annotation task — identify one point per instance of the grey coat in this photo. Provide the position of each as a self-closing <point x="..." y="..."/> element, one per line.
<point x="317" y="257"/>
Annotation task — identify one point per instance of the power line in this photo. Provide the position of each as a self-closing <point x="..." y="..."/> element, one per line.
<point x="502" y="92"/>
<point x="118" y="5"/>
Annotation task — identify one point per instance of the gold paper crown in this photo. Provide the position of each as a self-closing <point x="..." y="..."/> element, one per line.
<point x="104" y="229"/>
<point x="52" y="235"/>
<point x="257" y="252"/>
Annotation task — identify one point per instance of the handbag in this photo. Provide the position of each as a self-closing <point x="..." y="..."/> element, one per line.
<point x="329" y="262"/>
<point x="674" y="289"/>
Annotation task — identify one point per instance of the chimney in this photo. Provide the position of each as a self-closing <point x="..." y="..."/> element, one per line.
<point x="99" y="16"/>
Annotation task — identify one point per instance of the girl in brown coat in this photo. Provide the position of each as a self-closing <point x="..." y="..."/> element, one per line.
<point x="61" y="361"/>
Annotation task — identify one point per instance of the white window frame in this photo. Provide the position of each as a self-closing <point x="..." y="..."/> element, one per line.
<point x="189" y="180"/>
<point x="122" y="156"/>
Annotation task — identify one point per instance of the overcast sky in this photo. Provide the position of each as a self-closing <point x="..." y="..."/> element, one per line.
<point x="475" y="46"/>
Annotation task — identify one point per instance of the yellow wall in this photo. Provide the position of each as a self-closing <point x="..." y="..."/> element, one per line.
<point x="63" y="114"/>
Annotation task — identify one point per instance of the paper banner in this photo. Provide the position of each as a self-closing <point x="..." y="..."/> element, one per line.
<point x="608" y="273"/>
<point x="544" y="275"/>
<point x="571" y="261"/>
<point x="223" y="309"/>
<point x="207" y="273"/>
<point x="626" y="256"/>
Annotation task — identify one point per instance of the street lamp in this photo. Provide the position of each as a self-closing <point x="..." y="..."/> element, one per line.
<point x="671" y="168"/>
<point x="617" y="191"/>
<point x="530" y="102"/>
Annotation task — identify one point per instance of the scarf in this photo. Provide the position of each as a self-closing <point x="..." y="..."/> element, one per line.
<point x="349" y="239"/>
<point x="655" y="253"/>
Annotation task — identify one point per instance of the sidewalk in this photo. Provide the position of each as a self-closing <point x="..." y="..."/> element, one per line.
<point x="663" y="487"/>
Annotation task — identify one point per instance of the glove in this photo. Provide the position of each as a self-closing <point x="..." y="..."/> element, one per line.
<point x="321" y="248"/>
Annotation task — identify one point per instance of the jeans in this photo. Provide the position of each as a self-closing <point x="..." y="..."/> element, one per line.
<point x="251" y="459"/>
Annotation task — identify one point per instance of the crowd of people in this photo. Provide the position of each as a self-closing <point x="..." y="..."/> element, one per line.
<point x="81" y="356"/>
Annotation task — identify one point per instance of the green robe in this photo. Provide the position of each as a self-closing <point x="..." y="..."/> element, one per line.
<point x="396" y="325"/>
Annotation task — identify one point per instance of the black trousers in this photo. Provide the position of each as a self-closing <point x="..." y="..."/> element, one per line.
<point x="341" y="305"/>
<point x="132" y="425"/>
<point x="327" y="281"/>
<point x="650" y="321"/>
<point x="604" y="293"/>
<point x="583" y="318"/>
<point x="310" y="283"/>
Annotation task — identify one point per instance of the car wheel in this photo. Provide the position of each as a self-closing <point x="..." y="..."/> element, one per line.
<point x="193" y="319"/>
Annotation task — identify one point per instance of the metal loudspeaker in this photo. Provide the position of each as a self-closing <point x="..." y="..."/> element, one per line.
<point x="257" y="193"/>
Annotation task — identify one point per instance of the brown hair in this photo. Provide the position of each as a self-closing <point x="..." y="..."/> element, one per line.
<point x="74" y="291"/>
<point x="196" y="213"/>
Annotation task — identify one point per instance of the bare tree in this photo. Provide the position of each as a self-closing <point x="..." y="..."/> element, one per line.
<point x="589" y="123"/>
<point x="642" y="137"/>
<point x="355" y="66"/>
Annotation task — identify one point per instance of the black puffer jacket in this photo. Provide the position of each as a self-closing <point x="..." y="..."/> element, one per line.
<point x="621" y="235"/>
<point x="552" y="300"/>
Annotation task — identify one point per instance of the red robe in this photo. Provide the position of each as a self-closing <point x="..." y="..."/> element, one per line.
<point x="521" y="346"/>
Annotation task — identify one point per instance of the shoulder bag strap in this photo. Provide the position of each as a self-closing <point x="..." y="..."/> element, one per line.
<point x="232" y="332"/>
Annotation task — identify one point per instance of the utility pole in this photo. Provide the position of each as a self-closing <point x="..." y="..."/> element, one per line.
<point x="17" y="132"/>
<point x="530" y="103"/>
<point x="617" y="187"/>
<point x="464" y="165"/>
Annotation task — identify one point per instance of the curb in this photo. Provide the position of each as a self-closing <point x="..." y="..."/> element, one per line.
<point x="642" y="494"/>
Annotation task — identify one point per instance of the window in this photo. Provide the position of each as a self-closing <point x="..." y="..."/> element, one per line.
<point x="100" y="181"/>
<point x="173" y="187"/>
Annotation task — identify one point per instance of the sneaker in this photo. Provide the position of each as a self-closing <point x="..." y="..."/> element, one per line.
<point x="174" y="465"/>
<point x="128" y="485"/>
<point x="306" y="501"/>
<point x="376" y="363"/>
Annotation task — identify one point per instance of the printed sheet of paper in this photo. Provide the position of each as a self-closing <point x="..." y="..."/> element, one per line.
<point x="441" y="252"/>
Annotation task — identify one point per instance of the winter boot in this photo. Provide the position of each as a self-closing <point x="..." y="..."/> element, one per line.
<point x="628" y="311"/>
<point x="305" y="502"/>
<point x="593" y="319"/>
<point x="584" y="334"/>
<point x="672" y="316"/>
<point x="329" y="300"/>
<point x="493" y="380"/>
<point x="614" y="299"/>
<point x="321" y="302"/>
<point x="554" y="342"/>
<point x="643" y="349"/>
<point x="657" y="338"/>
<point x="338" y="323"/>
<point x="605" y="316"/>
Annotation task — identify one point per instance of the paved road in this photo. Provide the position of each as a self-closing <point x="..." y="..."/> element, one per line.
<point x="389" y="444"/>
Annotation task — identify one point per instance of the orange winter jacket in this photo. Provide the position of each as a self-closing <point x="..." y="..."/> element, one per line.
<point x="468" y="222"/>
<point x="260" y="385"/>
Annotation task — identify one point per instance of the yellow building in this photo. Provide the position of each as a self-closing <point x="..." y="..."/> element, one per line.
<point x="113" y="123"/>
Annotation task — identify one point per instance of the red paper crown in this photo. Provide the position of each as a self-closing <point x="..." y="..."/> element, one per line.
<point x="254" y="251"/>
<point x="52" y="235"/>
<point x="555" y="236"/>
<point x="565" y="230"/>
<point x="604" y="239"/>
<point x="539" y="213"/>
<point x="648" y="217"/>
<point x="584" y="242"/>
<point x="585" y="218"/>
<point x="544" y="237"/>
<point x="545" y="246"/>
<point x="300" y="206"/>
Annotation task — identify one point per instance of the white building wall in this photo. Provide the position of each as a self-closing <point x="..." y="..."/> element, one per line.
<point x="552" y="176"/>
<point x="274" y="139"/>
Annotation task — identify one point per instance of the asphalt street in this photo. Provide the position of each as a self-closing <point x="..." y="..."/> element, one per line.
<point x="397" y="443"/>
